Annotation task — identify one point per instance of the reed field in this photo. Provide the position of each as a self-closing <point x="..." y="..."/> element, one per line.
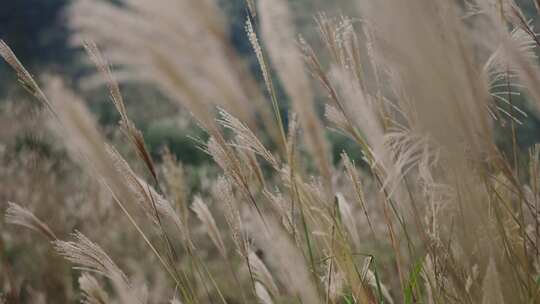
<point x="435" y="200"/>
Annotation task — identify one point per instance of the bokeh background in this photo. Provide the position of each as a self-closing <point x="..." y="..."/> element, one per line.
<point x="39" y="33"/>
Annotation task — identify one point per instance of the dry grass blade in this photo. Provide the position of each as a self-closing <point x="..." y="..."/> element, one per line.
<point x="369" y="277"/>
<point x="17" y="215"/>
<point x="499" y="61"/>
<point x="161" y="206"/>
<point x="155" y="45"/>
<point x="153" y="203"/>
<point x="251" y="7"/>
<point x="408" y="149"/>
<point x="104" y="68"/>
<point x="176" y="183"/>
<point x="491" y="287"/>
<point x="515" y="46"/>
<point x="278" y="36"/>
<point x="82" y="137"/>
<point x="420" y="54"/>
<point x="90" y="257"/>
<point x="501" y="73"/>
<point x="348" y="219"/>
<point x="245" y="138"/>
<point x="149" y="199"/>
<point x="355" y="180"/>
<point x="13" y="61"/>
<point x="83" y="141"/>
<point x="134" y="135"/>
<point x="355" y="110"/>
<point x="86" y="144"/>
<point x="262" y="274"/>
<point x="284" y="209"/>
<point x="223" y="191"/>
<point x="206" y="217"/>
<point x="292" y="133"/>
<point x="288" y="262"/>
<point x="417" y="85"/>
<point x="262" y="294"/>
<point x="255" y="45"/>
<point x="25" y="77"/>
<point x="233" y="167"/>
<point x="336" y="117"/>
<point x="92" y="292"/>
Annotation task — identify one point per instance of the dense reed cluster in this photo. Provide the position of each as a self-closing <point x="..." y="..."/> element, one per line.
<point x="433" y="212"/>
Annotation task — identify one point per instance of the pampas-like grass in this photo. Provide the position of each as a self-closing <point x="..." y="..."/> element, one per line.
<point x="262" y="294"/>
<point x="430" y="211"/>
<point x="278" y="35"/>
<point x="245" y="138"/>
<point x="133" y="134"/>
<point x="90" y="257"/>
<point x="289" y="263"/>
<point x="150" y="53"/>
<point x="209" y="223"/>
<point x="263" y="275"/>
<point x="24" y="76"/>
<point x="491" y="286"/>
<point x="348" y="219"/>
<point x="92" y="291"/>
<point x="17" y="215"/>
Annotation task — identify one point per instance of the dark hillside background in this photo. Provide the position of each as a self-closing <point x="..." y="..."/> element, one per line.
<point x="37" y="31"/>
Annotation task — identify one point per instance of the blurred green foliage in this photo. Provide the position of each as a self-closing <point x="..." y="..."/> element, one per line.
<point x="38" y="33"/>
<point x="180" y="140"/>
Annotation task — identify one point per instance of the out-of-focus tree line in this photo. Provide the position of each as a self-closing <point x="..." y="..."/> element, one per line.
<point x="39" y="34"/>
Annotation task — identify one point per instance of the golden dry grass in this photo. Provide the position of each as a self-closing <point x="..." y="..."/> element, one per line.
<point x="435" y="213"/>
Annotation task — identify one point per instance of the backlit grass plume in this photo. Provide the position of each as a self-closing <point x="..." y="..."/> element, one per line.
<point x="435" y="200"/>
